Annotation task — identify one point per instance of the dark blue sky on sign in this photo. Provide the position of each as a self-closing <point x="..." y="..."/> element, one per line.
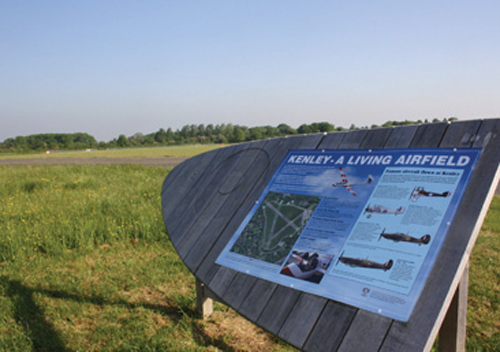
<point x="121" y="67"/>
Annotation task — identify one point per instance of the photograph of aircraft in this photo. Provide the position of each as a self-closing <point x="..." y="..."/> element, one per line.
<point x="365" y="263"/>
<point x="309" y="266"/>
<point x="345" y="182"/>
<point x="402" y="237"/>
<point x="421" y="192"/>
<point x="379" y="209"/>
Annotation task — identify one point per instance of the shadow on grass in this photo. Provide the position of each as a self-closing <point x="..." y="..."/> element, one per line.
<point x="45" y="337"/>
<point x="31" y="317"/>
<point x="211" y="341"/>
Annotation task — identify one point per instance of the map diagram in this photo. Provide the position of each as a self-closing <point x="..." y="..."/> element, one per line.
<point x="275" y="226"/>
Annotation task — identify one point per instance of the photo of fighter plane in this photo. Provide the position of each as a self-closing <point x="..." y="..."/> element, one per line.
<point x="379" y="209"/>
<point x="421" y="192"/>
<point x="345" y="182"/>
<point x="365" y="263"/>
<point x="402" y="237"/>
<point x="309" y="266"/>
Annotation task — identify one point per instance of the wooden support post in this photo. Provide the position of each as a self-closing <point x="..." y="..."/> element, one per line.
<point x="204" y="301"/>
<point x="452" y="335"/>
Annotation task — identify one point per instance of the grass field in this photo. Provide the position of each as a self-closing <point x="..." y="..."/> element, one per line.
<point x="86" y="265"/>
<point x="171" y="151"/>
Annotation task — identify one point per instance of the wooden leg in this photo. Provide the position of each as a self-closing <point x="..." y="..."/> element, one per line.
<point x="203" y="301"/>
<point x="452" y="335"/>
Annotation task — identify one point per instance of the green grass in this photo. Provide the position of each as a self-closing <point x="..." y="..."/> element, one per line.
<point x="86" y="265"/>
<point x="483" y="314"/>
<point x="171" y="151"/>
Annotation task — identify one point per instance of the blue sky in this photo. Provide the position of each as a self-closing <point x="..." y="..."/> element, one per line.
<point x="120" y="67"/>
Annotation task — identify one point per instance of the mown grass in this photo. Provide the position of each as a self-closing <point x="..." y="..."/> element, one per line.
<point x="156" y="152"/>
<point x="86" y="265"/>
<point x="483" y="314"/>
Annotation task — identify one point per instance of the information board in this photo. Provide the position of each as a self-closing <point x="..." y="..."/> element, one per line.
<point x="362" y="227"/>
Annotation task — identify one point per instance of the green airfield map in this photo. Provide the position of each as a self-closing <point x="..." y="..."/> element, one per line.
<point x="275" y="226"/>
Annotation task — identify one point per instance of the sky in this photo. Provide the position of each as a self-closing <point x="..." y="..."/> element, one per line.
<point x="124" y="67"/>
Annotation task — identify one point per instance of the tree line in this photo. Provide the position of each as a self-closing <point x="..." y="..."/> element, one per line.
<point x="188" y="134"/>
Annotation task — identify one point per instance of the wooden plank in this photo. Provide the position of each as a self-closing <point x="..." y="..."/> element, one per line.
<point x="301" y="319"/>
<point x="488" y="130"/>
<point x="401" y="137"/>
<point x="257" y="298"/>
<point x="238" y="290"/>
<point x="376" y="138"/>
<point x="278" y="308"/>
<point x="330" y="327"/>
<point x="444" y="278"/>
<point x="460" y="134"/>
<point x="429" y="135"/>
<point x="332" y="140"/>
<point x="222" y="280"/>
<point x="180" y="180"/>
<point x="352" y="139"/>
<point x="192" y="202"/>
<point x="366" y="332"/>
<point x="221" y="206"/>
<point x="452" y="335"/>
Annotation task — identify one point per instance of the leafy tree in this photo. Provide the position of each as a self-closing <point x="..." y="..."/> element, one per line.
<point x="123" y="141"/>
<point x="303" y="129"/>
<point x="285" y="130"/>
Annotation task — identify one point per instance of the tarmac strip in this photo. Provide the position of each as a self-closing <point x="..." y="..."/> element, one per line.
<point x="165" y="162"/>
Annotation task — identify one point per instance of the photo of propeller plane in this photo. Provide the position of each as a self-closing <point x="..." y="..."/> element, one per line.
<point x="365" y="263"/>
<point x="309" y="266"/>
<point x="402" y="237"/>
<point x="379" y="209"/>
<point x="345" y="182"/>
<point x="421" y="192"/>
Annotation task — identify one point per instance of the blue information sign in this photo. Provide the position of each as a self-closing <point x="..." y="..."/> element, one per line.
<point x="362" y="227"/>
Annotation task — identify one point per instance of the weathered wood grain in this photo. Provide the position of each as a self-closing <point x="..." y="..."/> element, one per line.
<point x="376" y="138"/>
<point x="191" y="202"/>
<point x="238" y="290"/>
<point x="222" y="280"/>
<point x="232" y="190"/>
<point x="429" y="135"/>
<point x="332" y="140"/>
<point x="277" y="309"/>
<point x="257" y="298"/>
<point x="366" y="332"/>
<point x="352" y="139"/>
<point x="460" y="134"/>
<point x="401" y="137"/>
<point x="301" y="319"/>
<point x="179" y="181"/>
<point x="330" y="328"/>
